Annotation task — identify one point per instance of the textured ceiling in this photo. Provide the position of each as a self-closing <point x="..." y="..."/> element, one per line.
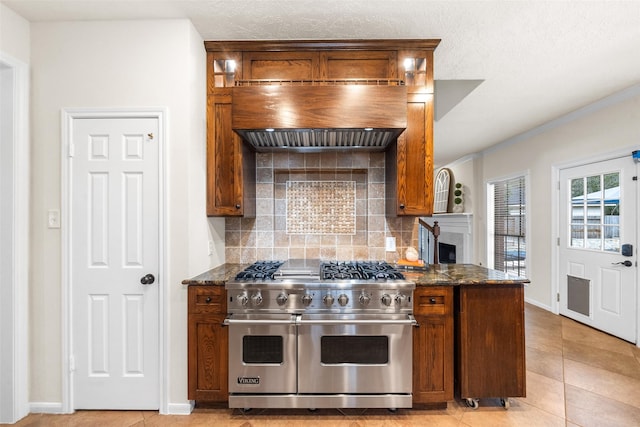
<point x="538" y="59"/>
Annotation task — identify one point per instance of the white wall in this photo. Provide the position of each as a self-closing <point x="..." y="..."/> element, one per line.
<point x="598" y="129"/>
<point x="107" y="65"/>
<point x="15" y="37"/>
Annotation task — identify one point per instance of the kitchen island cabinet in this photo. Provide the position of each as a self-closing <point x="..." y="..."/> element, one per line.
<point x="207" y="344"/>
<point x="490" y="347"/>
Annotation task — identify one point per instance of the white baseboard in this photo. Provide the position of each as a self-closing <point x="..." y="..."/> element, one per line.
<point x="538" y="304"/>
<point x="56" y="408"/>
<point x="180" y="408"/>
<point x="46" y="408"/>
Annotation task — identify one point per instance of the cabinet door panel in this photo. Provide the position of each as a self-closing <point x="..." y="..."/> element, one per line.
<point x="230" y="163"/>
<point x="359" y="65"/>
<point x="208" y="359"/>
<point x="429" y="362"/>
<point x="280" y="65"/>
<point x="490" y="328"/>
<point x="413" y="161"/>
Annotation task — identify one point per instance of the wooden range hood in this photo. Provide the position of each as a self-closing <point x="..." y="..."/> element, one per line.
<point x="318" y="115"/>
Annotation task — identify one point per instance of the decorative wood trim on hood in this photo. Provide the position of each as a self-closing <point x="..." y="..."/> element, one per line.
<point x="314" y="45"/>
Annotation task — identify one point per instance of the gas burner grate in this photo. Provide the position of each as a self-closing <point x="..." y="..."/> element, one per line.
<point x="260" y="270"/>
<point x="363" y="270"/>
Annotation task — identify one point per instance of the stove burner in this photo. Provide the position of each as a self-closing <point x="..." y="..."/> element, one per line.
<point x="260" y="270"/>
<point x="359" y="270"/>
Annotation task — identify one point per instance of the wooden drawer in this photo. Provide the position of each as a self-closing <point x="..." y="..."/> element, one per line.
<point x="433" y="301"/>
<point x="207" y="299"/>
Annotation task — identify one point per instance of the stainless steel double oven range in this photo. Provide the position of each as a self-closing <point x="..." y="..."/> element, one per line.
<point x="311" y="334"/>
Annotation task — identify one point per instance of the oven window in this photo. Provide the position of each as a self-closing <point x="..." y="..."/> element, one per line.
<point x="361" y="350"/>
<point x="262" y="349"/>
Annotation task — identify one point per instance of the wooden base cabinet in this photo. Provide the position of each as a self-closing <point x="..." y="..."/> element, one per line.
<point x="207" y="344"/>
<point x="490" y="347"/>
<point x="433" y="346"/>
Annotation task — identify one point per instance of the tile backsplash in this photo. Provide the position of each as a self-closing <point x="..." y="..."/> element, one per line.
<point x="321" y="207"/>
<point x="328" y="205"/>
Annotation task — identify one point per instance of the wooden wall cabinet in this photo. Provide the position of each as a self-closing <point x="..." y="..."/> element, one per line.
<point x="433" y="346"/>
<point x="409" y="164"/>
<point x="207" y="344"/>
<point x="490" y="346"/>
<point x="231" y="165"/>
<point x="409" y="161"/>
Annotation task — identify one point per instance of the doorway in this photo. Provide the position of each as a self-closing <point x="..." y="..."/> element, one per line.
<point x="598" y="232"/>
<point x="14" y="238"/>
<point x="113" y="259"/>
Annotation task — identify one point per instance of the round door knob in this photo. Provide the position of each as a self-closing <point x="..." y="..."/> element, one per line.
<point x="306" y="300"/>
<point x="147" y="279"/>
<point x="237" y="206"/>
<point x="343" y="300"/>
<point x="281" y="299"/>
<point x="386" y="299"/>
<point x="365" y="299"/>
<point x="402" y="206"/>
<point x="328" y="300"/>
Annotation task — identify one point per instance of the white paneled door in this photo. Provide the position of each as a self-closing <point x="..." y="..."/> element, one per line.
<point x="114" y="223"/>
<point x="598" y="272"/>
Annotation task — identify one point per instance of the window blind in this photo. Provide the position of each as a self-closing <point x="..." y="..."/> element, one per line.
<point x="509" y="226"/>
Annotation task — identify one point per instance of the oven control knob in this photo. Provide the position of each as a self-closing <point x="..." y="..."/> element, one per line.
<point x="401" y="299"/>
<point x="256" y="299"/>
<point x="386" y="299"/>
<point x="281" y="299"/>
<point x="306" y="300"/>
<point x="343" y="300"/>
<point x="327" y="300"/>
<point x="243" y="299"/>
<point x="365" y="299"/>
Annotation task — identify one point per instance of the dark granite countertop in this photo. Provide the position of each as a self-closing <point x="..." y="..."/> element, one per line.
<point x="435" y="275"/>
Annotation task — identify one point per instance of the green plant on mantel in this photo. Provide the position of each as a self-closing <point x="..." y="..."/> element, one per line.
<point x="458" y="198"/>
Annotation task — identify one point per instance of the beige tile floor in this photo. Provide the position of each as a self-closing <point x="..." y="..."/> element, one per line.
<point x="576" y="376"/>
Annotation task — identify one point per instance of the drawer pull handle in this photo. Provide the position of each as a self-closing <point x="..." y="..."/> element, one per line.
<point x="432" y="300"/>
<point x="207" y="300"/>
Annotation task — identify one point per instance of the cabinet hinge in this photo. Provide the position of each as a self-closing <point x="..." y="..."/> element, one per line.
<point x="558" y="297"/>
<point x="558" y="185"/>
<point x="557" y="241"/>
<point x="72" y="363"/>
<point x="71" y="150"/>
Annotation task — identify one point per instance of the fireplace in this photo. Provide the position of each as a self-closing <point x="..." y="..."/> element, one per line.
<point x="446" y="253"/>
<point x="455" y="243"/>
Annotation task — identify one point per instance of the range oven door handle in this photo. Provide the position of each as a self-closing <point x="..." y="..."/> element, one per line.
<point x="409" y="320"/>
<point x="230" y="321"/>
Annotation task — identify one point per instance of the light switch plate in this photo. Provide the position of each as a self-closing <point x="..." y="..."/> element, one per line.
<point x="390" y="244"/>
<point x="53" y="218"/>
